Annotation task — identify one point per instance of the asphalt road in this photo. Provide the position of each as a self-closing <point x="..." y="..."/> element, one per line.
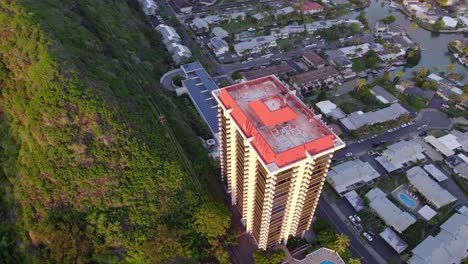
<point x="356" y="247"/>
<point x="431" y="118"/>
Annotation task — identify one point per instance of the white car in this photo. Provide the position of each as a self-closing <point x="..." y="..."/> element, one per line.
<point x="367" y="236"/>
<point x="352" y="219"/>
<point x="349" y="154"/>
<point x="358" y="219"/>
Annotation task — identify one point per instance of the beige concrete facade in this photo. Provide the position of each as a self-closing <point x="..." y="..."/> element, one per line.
<point x="275" y="203"/>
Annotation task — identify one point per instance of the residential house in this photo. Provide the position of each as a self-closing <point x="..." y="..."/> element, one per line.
<point x="351" y="174"/>
<point x="310" y="8"/>
<point x="315" y="78"/>
<point x="358" y="119"/>
<point x="313" y="60"/>
<point x="219" y="32"/>
<point x="430" y="189"/>
<point x="183" y="6"/>
<point x="329" y="109"/>
<point x="200" y="25"/>
<point x="383" y="95"/>
<point x="391" y="214"/>
<point x="219" y="46"/>
<point x="255" y="45"/>
<point x="449" y="246"/>
<point x="401" y="154"/>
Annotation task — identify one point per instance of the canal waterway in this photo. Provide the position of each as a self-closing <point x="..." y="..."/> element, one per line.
<point x="434" y="45"/>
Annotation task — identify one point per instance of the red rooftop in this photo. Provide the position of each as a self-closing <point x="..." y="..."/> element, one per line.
<point x="282" y="128"/>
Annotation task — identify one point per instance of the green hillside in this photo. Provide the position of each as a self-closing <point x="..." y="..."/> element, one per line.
<point x="97" y="163"/>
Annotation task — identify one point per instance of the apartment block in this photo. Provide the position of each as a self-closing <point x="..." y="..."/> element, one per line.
<point x="274" y="154"/>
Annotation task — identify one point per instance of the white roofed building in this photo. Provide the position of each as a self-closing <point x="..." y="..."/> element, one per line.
<point x="450" y="22"/>
<point x="400" y="154"/>
<point x="346" y="176"/>
<point x="430" y="189"/>
<point x="219" y="32"/>
<point x="391" y="214"/>
<point x="393" y="240"/>
<point x="329" y="109"/>
<point x="447" y="247"/>
<point x="219" y="46"/>
<point x="358" y="119"/>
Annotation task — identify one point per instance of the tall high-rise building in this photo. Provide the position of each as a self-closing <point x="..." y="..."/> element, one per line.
<point x="274" y="156"/>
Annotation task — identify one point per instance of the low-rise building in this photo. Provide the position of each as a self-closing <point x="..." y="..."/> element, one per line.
<point x="338" y="58"/>
<point x="255" y="45"/>
<point x="329" y="109"/>
<point x="310" y="8"/>
<point x="313" y="60"/>
<point x="449" y="246"/>
<point x="383" y="95"/>
<point x="427" y="212"/>
<point x="171" y="40"/>
<point x="169" y="34"/>
<point x="219" y="46"/>
<point x="459" y="164"/>
<point x="393" y="240"/>
<point x="258" y="16"/>
<point x="219" y="32"/>
<point x="351" y="174"/>
<point x="321" y="255"/>
<point x="291" y="30"/>
<point x="400" y="154"/>
<point x="391" y="214"/>
<point x="447" y="144"/>
<point x="315" y="78"/>
<point x="277" y="70"/>
<point x="284" y="11"/>
<point x="180" y="53"/>
<point x="198" y="85"/>
<point x="416" y="91"/>
<point x="356" y="202"/>
<point x="449" y="22"/>
<point x="359" y="119"/>
<point x="183" y="6"/>
<point x="435" y="172"/>
<point x="430" y="189"/>
<point x="149" y="7"/>
<point x="200" y="25"/>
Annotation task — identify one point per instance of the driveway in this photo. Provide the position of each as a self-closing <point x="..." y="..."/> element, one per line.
<point x="166" y="79"/>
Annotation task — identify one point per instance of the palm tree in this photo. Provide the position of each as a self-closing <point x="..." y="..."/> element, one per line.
<point x="422" y="72"/>
<point x="387" y="75"/>
<point x="341" y="243"/>
<point x="398" y="76"/>
<point x="450" y="67"/>
<point x="406" y="84"/>
<point x="360" y="84"/>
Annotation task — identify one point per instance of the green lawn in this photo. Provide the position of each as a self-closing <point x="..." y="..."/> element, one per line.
<point x="391" y="181"/>
<point x="348" y="103"/>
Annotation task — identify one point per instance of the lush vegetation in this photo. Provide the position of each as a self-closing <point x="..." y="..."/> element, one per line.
<point x="101" y="165"/>
<point x="388" y="19"/>
<point x="273" y="257"/>
<point x="413" y="55"/>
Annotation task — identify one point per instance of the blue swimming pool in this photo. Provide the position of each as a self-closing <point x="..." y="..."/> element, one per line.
<point x="327" y="262"/>
<point x="406" y="200"/>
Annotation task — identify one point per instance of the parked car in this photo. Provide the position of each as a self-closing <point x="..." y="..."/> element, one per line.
<point x="358" y="219"/>
<point x="349" y="154"/>
<point x="423" y="134"/>
<point x="367" y="236"/>
<point x="352" y="219"/>
<point x="445" y="106"/>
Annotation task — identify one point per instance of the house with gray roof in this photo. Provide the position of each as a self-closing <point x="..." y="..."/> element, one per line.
<point x="400" y="154"/>
<point x="449" y="246"/>
<point x="391" y="214"/>
<point x="383" y="95"/>
<point x="351" y="174"/>
<point x="358" y="119"/>
<point x="430" y="189"/>
<point x="219" y="32"/>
